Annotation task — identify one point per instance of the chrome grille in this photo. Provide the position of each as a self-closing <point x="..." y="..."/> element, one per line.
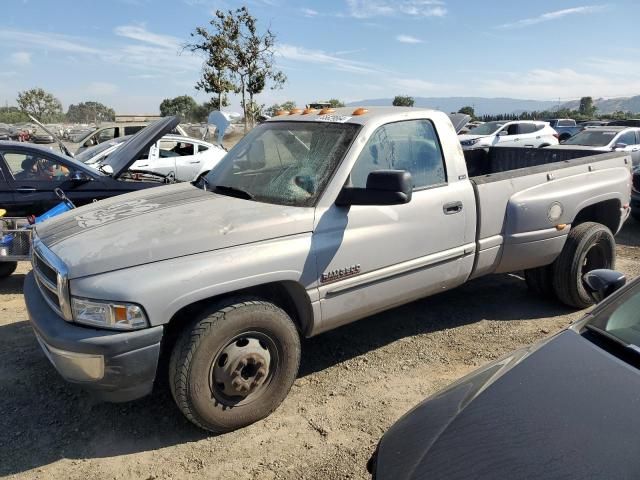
<point x="51" y="277"/>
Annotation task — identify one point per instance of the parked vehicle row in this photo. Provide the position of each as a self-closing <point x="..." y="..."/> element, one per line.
<point x="313" y="220"/>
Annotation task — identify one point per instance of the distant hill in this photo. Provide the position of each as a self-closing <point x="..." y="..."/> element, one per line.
<point x="482" y="106"/>
<point x="495" y="106"/>
<point x="610" y="105"/>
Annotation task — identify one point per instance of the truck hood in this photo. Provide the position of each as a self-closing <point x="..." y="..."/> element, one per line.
<point x="552" y="414"/>
<point x="162" y="223"/>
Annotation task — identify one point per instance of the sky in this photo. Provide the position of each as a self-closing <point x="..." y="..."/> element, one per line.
<point x="128" y="54"/>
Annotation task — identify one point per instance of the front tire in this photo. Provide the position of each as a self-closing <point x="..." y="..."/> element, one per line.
<point x="589" y="246"/>
<point x="7" y="268"/>
<point x="235" y="365"/>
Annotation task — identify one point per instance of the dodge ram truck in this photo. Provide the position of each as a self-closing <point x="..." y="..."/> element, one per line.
<point x="313" y="220"/>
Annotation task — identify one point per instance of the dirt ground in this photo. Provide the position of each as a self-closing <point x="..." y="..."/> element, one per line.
<point x="354" y="382"/>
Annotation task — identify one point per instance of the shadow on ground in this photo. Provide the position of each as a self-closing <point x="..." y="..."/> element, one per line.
<point x="12" y="285"/>
<point x="629" y="236"/>
<point x="45" y="419"/>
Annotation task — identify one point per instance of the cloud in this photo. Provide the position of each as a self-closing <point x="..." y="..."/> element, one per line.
<point x="333" y="61"/>
<point x="408" y="39"/>
<point x="140" y="33"/>
<point x="102" y="88"/>
<point x="555" y="15"/>
<point x="388" y="8"/>
<point x="46" y="41"/>
<point x="565" y="83"/>
<point x="20" y="58"/>
<point x="309" y="12"/>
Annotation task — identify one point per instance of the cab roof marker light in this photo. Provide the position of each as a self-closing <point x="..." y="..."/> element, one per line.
<point x="324" y="111"/>
<point x="280" y="113"/>
<point x="307" y="111"/>
<point x="360" y="111"/>
<point x="295" y="111"/>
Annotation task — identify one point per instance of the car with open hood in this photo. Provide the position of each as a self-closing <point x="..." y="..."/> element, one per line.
<point x="563" y="408"/>
<point x="29" y="175"/>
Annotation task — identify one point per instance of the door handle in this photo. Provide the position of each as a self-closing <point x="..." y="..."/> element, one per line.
<point x="143" y="165"/>
<point x="197" y="161"/>
<point x="452" y="207"/>
<point x="25" y="189"/>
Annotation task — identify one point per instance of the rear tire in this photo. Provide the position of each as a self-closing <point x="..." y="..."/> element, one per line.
<point x="235" y="365"/>
<point x="589" y="246"/>
<point x="7" y="268"/>
<point x="540" y="280"/>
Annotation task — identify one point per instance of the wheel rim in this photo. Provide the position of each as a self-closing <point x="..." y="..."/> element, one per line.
<point x="243" y="369"/>
<point x="596" y="257"/>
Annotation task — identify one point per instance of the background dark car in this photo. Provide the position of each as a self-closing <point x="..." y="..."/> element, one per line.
<point x="29" y="174"/>
<point x="566" y="407"/>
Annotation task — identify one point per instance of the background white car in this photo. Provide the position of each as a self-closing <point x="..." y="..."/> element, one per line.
<point x="520" y="133"/>
<point x="185" y="158"/>
<point x="607" y="139"/>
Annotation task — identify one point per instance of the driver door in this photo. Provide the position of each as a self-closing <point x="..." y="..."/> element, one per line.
<point x="511" y="138"/>
<point x="372" y="257"/>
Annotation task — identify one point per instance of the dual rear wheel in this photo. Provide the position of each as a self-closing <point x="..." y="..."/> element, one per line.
<point x="589" y="246"/>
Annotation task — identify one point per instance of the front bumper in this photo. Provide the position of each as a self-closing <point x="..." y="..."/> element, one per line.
<point x="114" y="366"/>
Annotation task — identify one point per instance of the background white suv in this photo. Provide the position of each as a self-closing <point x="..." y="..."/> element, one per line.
<point x="519" y="133"/>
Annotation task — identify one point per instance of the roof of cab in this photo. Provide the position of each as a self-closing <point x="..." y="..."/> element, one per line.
<point x="346" y="114"/>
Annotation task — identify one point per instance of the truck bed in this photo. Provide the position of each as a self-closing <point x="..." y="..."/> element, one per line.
<point x="515" y="189"/>
<point x="489" y="161"/>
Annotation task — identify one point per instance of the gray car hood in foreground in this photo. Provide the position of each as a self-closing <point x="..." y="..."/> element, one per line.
<point x="162" y="223"/>
<point x="567" y="410"/>
<point x="566" y="146"/>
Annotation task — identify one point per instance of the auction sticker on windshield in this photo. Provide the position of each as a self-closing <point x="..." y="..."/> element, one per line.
<point x="334" y="118"/>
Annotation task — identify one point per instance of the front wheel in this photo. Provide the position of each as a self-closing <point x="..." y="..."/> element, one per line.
<point x="589" y="246"/>
<point x="235" y="365"/>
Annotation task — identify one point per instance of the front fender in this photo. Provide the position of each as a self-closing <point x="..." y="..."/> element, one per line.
<point x="163" y="288"/>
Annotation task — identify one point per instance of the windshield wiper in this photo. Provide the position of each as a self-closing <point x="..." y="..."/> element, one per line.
<point x="232" y="191"/>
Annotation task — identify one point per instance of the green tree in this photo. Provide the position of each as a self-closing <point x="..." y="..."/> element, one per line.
<point x="85" y="112"/>
<point x="468" y="110"/>
<point x="42" y="105"/>
<point x="182" y="106"/>
<point x="587" y="108"/>
<point x="238" y="58"/>
<point x="403" y="101"/>
<point x="335" y="103"/>
<point x="12" y="115"/>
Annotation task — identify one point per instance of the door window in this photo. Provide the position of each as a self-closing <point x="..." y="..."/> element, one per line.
<point x="176" y="149"/>
<point x="628" y="138"/>
<point x="512" y="129"/>
<point x="106" y="134"/>
<point x="525" y="128"/>
<point x="133" y="129"/>
<point x="202" y="148"/>
<point x="412" y="146"/>
<point x="33" y="167"/>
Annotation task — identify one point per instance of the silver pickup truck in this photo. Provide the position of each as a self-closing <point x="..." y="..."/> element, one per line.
<point x="313" y="220"/>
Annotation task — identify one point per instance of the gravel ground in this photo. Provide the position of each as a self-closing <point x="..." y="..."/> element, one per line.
<point x="354" y="382"/>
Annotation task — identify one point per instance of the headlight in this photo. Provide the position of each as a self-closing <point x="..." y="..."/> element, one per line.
<point x="118" y="316"/>
<point x="468" y="143"/>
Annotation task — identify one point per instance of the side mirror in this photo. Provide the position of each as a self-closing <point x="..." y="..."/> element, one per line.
<point x="79" y="177"/>
<point x="600" y="284"/>
<point x="384" y="187"/>
<point x="620" y="146"/>
<point x="503" y="133"/>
